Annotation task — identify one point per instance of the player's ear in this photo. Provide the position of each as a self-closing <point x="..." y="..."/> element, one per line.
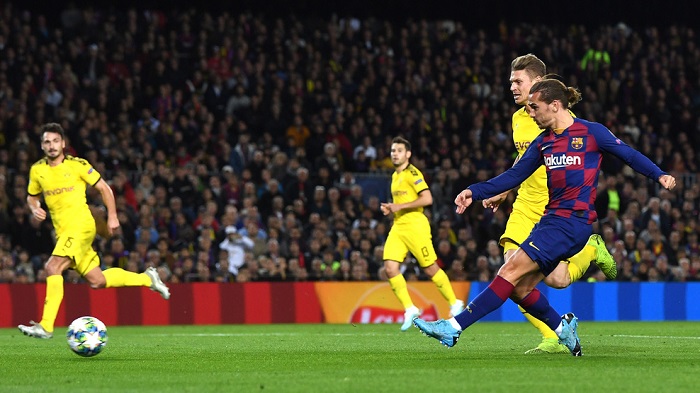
<point x="408" y="154"/>
<point x="555" y="106"/>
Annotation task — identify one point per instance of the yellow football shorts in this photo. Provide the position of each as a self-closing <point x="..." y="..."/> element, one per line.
<point x="414" y="237"/>
<point x="77" y="245"/>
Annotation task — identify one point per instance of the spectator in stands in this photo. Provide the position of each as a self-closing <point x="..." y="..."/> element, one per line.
<point x="235" y="244"/>
<point x="298" y="132"/>
<point x="300" y="188"/>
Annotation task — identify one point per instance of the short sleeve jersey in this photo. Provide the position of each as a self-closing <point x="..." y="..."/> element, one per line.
<point x="63" y="187"/>
<point x="405" y="187"/>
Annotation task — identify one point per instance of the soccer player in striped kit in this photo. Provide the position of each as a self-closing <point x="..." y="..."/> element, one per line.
<point x="533" y="196"/>
<point x="571" y="150"/>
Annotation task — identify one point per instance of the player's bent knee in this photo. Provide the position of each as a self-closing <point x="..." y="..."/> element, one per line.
<point x="96" y="279"/>
<point x="56" y="265"/>
<point x="99" y="283"/>
<point x="391" y="268"/>
<point x="556" y="282"/>
<point x="432" y="269"/>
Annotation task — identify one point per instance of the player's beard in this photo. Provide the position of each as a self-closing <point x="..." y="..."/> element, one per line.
<point x="53" y="154"/>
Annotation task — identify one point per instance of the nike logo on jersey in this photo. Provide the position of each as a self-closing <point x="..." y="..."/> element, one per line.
<point x="534" y="246"/>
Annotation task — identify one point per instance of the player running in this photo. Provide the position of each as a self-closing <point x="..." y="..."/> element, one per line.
<point x="62" y="179"/>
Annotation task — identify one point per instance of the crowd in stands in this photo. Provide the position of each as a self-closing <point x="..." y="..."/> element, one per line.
<point x="236" y="144"/>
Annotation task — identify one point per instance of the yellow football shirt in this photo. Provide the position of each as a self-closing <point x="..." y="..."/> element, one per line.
<point x="64" y="188"/>
<point x="405" y="187"/>
<point x="533" y="191"/>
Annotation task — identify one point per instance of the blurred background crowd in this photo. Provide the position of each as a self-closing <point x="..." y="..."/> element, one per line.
<point x="243" y="147"/>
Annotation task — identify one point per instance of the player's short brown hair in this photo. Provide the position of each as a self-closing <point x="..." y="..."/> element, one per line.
<point x="402" y="141"/>
<point x="53" y="127"/>
<point x="531" y="64"/>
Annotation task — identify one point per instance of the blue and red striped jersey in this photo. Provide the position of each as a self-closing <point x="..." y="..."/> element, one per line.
<point x="572" y="160"/>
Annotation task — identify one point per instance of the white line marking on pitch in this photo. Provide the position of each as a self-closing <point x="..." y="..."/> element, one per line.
<point x="670" y="337"/>
<point x="259" y="334"/>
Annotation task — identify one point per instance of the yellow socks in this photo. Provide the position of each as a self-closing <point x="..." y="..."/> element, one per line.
<point x="579" y="263"/>
<point x="443" y="284"/>
<point x="398" y="285"/>
<point x="541" y="326"/>
<point x="117" y="277"/>
<point x="54" y="297"/>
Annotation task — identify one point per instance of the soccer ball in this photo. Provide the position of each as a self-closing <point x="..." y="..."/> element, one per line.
<point x="87" y="336"/>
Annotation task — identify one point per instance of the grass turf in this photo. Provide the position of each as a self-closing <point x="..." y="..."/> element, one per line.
<point x="622" y="356"/>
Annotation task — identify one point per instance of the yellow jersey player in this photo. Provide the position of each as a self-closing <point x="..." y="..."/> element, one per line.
<point x="532" y="199"/>
<point x="411" y="232"/>
<point x="62" y="180"/>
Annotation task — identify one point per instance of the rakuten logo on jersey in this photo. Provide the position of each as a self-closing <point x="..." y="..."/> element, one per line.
<point x="561" y="161"/>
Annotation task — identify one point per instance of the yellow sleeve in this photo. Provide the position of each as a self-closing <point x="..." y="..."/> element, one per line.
<point x="86" y="171"/>
<point x="418" y="182"/>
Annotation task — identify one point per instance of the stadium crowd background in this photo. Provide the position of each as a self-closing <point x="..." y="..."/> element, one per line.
<point x="273" y="133"/>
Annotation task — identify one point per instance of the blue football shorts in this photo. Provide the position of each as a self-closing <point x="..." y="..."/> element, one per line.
<point x="555" y="239"/>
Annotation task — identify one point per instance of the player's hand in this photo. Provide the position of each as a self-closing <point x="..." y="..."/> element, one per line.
<point x="495" y="202"/>
<point x="387" y="208"/>
<point x="112" y="224"/>
<point x="39" y="214"/>
<point x="463" y="200"/>
<point x="668" y="182"/>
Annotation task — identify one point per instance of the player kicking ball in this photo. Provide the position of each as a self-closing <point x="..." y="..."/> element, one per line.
<point x="571" y="150"/>
<point x="532" y="199"/>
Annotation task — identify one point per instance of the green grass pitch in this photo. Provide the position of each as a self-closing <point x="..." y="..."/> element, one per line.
<point x="618" y="357"/>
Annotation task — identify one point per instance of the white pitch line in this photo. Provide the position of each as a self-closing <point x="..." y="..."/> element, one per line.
<point x="661" y="337"/>
<point x="259" y="334"/>
<point x="365" y="334"/>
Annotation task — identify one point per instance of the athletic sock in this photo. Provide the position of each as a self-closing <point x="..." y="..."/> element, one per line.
<point x="443" y="285"/>
<point x="118" y="277"/>
<point x="54" y="297"/>
<point x="498" y="291"/>
<point x="398" y="285"/>
<point x="579" y="263"/>
<point x="541" y="326"/>
<point x="538" y="306"/>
